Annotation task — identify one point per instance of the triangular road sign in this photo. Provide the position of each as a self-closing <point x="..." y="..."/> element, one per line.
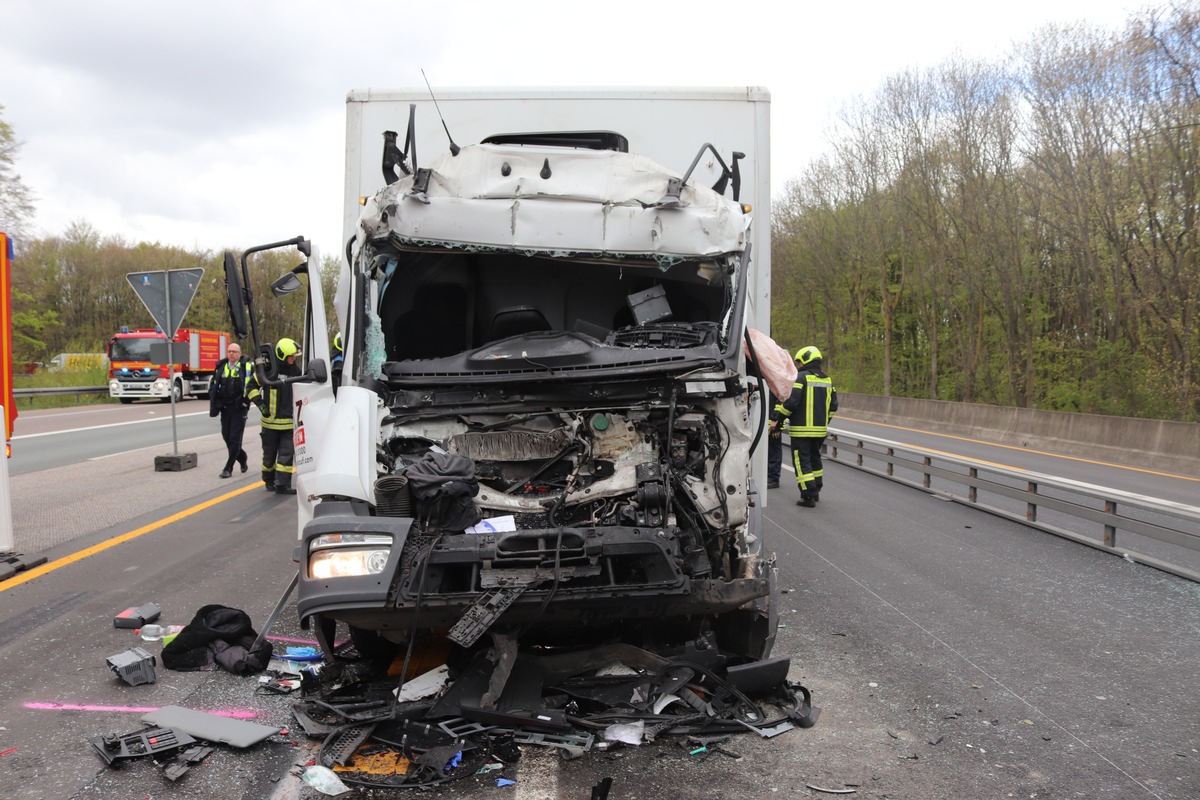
<point x="167" y="294"/>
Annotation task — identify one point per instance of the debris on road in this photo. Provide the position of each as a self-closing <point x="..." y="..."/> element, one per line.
<point x="137" y="616"/>
<point x="135" y="666"/>
<point x="471" y="715"/>
<point x="221" y="637"/>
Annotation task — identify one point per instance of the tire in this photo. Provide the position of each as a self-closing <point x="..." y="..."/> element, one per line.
<point x="176" y="392"/>
<point x="125" y="400"/>
<point x="373" y="647"/>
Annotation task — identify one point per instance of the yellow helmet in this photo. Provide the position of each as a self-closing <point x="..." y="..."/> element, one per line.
<point x="286" y="347"/>
<point x="337" y="341"/>
<point x="806" y="355"/>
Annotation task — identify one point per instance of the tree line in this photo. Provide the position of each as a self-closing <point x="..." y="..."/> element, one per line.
<point x="1017" y="232"/>
<point x="70" y="293"/>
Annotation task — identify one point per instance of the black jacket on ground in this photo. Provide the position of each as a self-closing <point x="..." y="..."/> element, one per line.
<point x="217" y="637"/>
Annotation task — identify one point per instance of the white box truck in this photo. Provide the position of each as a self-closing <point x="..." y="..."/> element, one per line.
<point x="544" y="422"/>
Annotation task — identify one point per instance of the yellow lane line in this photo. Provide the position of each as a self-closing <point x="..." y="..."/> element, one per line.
<point x="45" y="569"/>
<point x="1021" y="449"/>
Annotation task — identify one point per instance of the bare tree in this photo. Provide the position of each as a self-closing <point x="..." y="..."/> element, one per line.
<point x="16" y="201"/>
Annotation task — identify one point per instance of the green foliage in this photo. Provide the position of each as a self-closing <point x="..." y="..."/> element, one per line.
<point x="1022" y="233"/>
<point x="71" y="293"/>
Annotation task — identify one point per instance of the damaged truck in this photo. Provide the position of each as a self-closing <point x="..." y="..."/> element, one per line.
<point x="532" y="410"/>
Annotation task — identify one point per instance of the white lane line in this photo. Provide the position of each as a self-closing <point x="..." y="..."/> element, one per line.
<point x="108" y="425"/>
<point x="160" y="446"/>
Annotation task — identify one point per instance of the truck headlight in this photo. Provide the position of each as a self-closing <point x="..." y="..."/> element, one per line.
<point x="114" y="385"/>
<point x="160" y="385"/>
<point x="346" y="555"/>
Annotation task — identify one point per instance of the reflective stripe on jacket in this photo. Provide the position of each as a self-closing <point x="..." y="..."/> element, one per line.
<point x="274" y="404"/>
<point x="810" y="406"/>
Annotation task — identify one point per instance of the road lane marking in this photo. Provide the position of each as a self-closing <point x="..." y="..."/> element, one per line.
<point x="1011" y="447"/>
<point x="101" y="427"/>
<point x="232" y="713"/>
<point x="45" y="569"/>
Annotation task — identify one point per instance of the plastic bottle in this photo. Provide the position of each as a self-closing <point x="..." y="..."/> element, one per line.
<point x="151" y="633"/>
<point x="158" y="633"/>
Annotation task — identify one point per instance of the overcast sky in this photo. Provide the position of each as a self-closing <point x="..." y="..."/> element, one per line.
<point x="221" y="124"/>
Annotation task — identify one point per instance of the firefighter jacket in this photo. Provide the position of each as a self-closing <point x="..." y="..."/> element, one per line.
<point x="810" y="406"/>
<point x="274" y="402"/>
<point x="230" y="384"/>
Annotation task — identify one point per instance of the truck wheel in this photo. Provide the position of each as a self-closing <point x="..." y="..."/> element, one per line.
<point x="176" y="392"/>
<point x="373" y="647"/>
<point x="125" y="400"/>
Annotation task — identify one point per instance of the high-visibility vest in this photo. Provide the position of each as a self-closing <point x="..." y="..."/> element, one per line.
<point x="274" y="404"/>
<point x="819" y="403"/>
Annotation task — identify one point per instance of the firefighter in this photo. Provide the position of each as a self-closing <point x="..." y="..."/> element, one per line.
<point x="228" y="400"/>
<point x="807" y="411"/>
<point x="275" y="405"/>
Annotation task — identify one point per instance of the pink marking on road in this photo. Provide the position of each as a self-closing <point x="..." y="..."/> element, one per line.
<point x="312" y="642"/>
<point x="232" y="713"/>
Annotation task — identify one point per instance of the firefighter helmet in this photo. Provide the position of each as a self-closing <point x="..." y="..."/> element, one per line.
<point x="807" y="355"/>
<point x="337" y="342"/>
<point x="285" y="348"/>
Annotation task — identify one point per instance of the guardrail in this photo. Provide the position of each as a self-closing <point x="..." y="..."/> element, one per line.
<point x="58" y="391"/>
<point x="1110" y="511"/>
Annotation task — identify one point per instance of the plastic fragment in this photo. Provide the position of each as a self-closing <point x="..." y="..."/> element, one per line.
<point x="502" y="782"/>
<point x="630" y="733"/>
<point x="324" y="780"/>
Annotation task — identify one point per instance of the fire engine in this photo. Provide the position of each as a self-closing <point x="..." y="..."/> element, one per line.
<point x="131" y="375"/>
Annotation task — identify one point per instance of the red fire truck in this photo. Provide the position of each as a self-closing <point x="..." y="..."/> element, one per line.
<point x="132" y="375"/>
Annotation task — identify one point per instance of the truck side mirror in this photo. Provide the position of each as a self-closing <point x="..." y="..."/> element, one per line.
<point x="317" y="372"/>
<point x="287" y="283"/>
<point x="236" y="297"/>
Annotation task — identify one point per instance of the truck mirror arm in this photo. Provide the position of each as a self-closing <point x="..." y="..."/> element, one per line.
<point x="317" y="372"/>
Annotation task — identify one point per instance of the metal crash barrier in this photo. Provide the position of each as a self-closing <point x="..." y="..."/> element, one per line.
<point x="1096" y="514"/>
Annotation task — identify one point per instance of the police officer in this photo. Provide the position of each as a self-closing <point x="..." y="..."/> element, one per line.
<point x="228" y="400"/>
<point x="807" y="411"/>
<point x="275" y="405"/>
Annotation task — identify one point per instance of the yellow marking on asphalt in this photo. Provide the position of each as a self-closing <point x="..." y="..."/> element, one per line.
<point x="1014" y="447"/>
<point x="45" y="569"/>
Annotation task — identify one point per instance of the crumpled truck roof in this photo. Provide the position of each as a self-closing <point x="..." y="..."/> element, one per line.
<point x="494" y="197"/>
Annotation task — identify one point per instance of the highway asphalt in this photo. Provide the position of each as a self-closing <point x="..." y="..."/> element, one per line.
<point x="954" y="654"/>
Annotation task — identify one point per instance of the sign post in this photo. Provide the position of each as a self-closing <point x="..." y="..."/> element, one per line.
<point x="167" y="295"/>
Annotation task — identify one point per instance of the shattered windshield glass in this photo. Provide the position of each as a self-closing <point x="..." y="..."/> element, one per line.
<point x="435" y="304"/>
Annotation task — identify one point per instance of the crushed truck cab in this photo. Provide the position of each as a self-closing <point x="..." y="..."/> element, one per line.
<point x="544" y="423"/>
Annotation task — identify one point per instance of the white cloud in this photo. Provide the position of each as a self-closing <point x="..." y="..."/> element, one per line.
<point x="220" y="124"/>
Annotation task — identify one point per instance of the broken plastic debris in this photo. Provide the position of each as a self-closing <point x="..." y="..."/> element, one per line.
<point x="424" y="685"/>
<point x="830" y="791"/>
<point x="503" y="524"/>
<point x="324" y="780"/>
<point x="664" y="701"/>
<point x="303" y="654"/>
<point x="616" y="669"/>
<point x="502" y="782"/>
<point x="629" y="733"/>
